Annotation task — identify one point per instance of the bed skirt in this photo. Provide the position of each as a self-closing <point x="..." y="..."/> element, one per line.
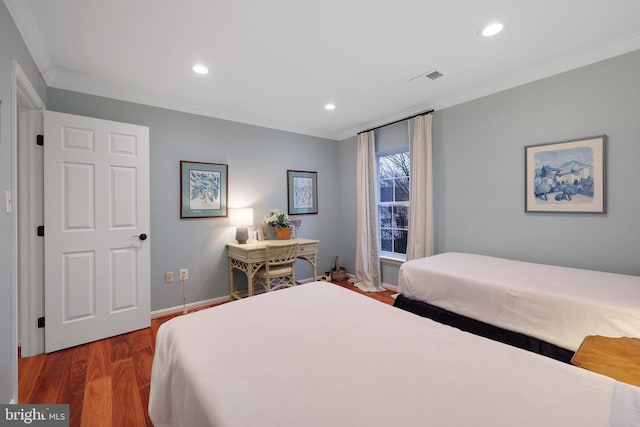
<point x="486" y="330"/>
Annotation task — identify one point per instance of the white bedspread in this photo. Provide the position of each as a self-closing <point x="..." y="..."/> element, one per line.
<point x="559" y="305"/>
<point x="319" y="355"/>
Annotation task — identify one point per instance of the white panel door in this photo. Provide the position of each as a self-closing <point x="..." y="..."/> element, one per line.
<point x="96" y="214"/>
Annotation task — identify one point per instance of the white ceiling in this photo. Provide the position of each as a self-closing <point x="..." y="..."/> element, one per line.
<point x="276" y="63"/>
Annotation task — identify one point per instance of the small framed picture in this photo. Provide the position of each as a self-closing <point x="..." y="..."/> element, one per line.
<point x="566" y="176"/>
<point x="302" y="192"/>
<point x="203" y="189"/>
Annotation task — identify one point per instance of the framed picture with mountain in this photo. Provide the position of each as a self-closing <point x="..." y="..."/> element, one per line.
<point x="567" y="176"/>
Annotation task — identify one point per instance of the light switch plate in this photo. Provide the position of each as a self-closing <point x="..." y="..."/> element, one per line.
<point x="8" y="202"/>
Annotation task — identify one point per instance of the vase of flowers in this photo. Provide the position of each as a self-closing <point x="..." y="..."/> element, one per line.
<point x="279" y="222"/>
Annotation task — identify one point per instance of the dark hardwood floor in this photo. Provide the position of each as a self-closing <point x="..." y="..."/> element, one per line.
<point x="106" y="382"/>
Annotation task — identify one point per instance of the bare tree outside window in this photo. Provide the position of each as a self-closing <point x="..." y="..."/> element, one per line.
<point x="393" y="206"/>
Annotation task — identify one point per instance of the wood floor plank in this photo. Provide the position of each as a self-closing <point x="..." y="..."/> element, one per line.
<point x="139" y="339"/>
<point x="97" y="403"/>
<point x="99" y="363"/>
<point x="52" y="378"/>
<point x="142" y="360"/>
<point x="127" y="407"/>
<point x="120" y="348"/>
<point x="385" y="296"/>
<point x="74" y="390"/>
<point x="144" y="397"/>
<point x="29" y="369"/>
<point x="97" y="407"/>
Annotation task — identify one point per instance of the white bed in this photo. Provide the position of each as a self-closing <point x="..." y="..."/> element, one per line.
<point x="559" y="305"/>
<point x="320" y="355"/>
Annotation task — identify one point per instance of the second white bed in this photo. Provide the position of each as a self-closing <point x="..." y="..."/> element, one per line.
<point x="559" y="305"/>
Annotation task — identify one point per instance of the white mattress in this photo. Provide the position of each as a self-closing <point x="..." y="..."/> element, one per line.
<point x="320" y="355"/>
<point x="559" y="305"/>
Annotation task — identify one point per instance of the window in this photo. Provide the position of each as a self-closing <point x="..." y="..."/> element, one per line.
<point x="393" y="204"/>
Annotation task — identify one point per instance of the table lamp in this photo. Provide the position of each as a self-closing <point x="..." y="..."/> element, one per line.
<point x="241" y="218"/>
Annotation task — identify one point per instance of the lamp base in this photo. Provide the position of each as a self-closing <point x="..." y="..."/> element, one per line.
<point x="242" y="234"/>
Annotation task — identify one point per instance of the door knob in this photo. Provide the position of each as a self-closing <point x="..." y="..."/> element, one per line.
<point x="141" y="236"/>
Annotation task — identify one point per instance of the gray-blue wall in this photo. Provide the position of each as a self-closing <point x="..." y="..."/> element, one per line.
<point x="12" y="48"/>
<point x="478" y="163"/>
<point x="479" y="169"/>
<point x="258" y="159"/>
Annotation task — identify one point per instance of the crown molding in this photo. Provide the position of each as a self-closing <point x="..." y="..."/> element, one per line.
<point x="84" y="83"/>
<point x="22" y="17"/>
<point x="502" y="83"/>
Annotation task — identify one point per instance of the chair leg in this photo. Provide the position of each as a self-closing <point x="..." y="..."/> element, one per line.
<point x="264" y="282"/>
<point x="284" y="282"/>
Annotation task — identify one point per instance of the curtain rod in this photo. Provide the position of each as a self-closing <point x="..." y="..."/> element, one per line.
<point x="398" y="121"/>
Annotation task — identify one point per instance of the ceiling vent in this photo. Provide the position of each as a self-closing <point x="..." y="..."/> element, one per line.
<point x="426" y="77"/>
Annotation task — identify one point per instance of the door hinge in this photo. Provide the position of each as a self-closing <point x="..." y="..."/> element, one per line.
<point x="40" y="230"/>
<point x="41" y="322"/>
<point x="40" y="139"/>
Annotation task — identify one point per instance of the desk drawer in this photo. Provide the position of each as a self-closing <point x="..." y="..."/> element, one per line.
<point x="308" y="249"/>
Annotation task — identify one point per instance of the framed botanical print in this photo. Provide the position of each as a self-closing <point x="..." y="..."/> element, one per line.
<point x="203" y="189"/>
<point x="302" y="192"/>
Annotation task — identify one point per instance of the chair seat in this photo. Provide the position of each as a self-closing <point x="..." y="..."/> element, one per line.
<point x="275" y="272"/>
<point x="279" y="270"/>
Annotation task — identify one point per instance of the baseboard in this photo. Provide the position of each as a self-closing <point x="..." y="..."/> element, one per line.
<point x="192" y="305"/>
<point x="393" y="288"/>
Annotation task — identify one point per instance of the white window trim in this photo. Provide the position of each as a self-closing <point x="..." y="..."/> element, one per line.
<point x="385" y="256"/>
<point x="392" y="257"/>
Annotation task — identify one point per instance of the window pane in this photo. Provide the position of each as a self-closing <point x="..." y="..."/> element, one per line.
<point x="386" y="190"/>
<point x="401" y="164"/>
<point x="400" y="241"/>
<point x="384" y="217"/>
<point x="386" y="242"/>
<point x="402" y="189"/>
<point x="386" y="168"/>
<point x="401" y="216"/>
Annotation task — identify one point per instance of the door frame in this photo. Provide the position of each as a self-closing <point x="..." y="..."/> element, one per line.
<point x="30" y="247"/>
<point x="23" y="95"/>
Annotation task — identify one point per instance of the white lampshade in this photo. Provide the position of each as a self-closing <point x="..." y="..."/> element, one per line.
<point x="241" y="216"/>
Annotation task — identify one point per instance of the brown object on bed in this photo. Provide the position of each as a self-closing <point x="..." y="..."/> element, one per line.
<point x="618" y="358"/>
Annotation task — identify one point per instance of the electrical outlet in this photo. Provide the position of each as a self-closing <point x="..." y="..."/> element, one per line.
<point x="168" y="277"/>
<point x="184" y="274"/>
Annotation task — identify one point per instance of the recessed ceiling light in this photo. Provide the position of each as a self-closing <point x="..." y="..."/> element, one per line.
<point x="492" y="29"/>
<point x="330" y="106"/>
<point x="200" y="69"/>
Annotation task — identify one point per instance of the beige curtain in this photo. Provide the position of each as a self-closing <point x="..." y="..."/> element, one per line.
<point x="420" y="241"/>
<point x="367" y="246"/>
